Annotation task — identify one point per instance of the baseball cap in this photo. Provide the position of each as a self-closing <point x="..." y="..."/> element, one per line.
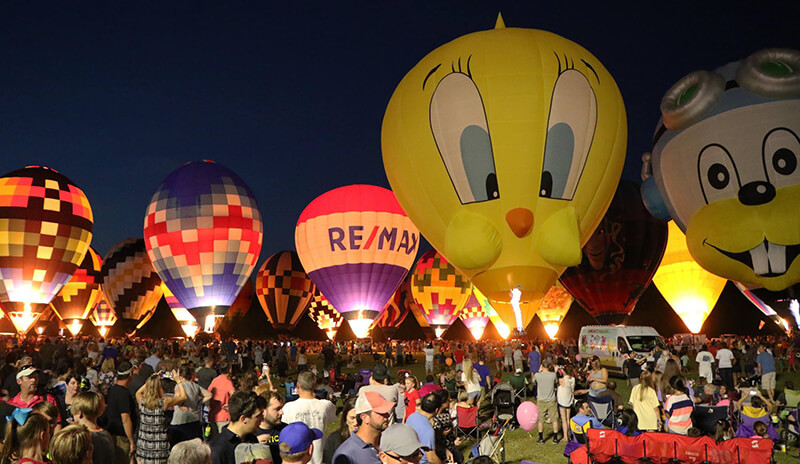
<point x="518" y="371"/>
<point x="297" y="437"/>
<point x="26" y="371"/>
<point x="401" y="439"/>
<point x="373" y="401"/>
<point x="380" y="372"/>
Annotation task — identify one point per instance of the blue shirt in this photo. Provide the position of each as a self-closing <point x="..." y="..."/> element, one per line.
<point x="425" y="433"/>
<point x="534" y="361"/>
<point x="584" y="423"/>
<point x="483" y="371"/>
<point x="767" y="362"/>
<point x="354" y="450"/>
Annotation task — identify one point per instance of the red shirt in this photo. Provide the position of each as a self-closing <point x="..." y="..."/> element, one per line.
<point x="221" y="389"/>
<point x="18" y="402"/>
<point x="411" y="402"/>
<point x="459" y="355"/>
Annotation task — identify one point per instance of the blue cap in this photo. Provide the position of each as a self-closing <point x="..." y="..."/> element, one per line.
<point x="297" y="437"/>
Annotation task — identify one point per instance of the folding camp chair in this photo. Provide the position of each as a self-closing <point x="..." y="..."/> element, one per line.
<point x="467" y="421"/>
<point x="705" y="417"/>
<point x="603" y="409"/>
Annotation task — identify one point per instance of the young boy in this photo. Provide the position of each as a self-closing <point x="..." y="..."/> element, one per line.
<point x="86" y="408"/>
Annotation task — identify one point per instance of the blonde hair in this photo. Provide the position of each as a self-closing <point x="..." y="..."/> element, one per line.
<point x="153" y="392"/>
<point x="18" y="436"/>
<point x="467" y="369"/>
<point x="107" y="366"/>
<point x="71" y="445"/>
<point x="90" y="404"/>
<point x="645" y="381"/>
<point x="47" y="409"/>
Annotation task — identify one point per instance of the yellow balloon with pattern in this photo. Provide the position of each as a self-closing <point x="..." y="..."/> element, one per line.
<point x="553" y="308"/>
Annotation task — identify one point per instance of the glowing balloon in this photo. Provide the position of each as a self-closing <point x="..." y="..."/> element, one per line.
<point x="761" y="304"/>
<point x="357" y="245"/>
<point x="688" y="288"/>
<point x="553" y="308"/>
<point x="78" y="296"/>
<point x="130" y="283"/>
<point x="188" y="323"/>
<point x="504" y="147"/>
<point x="393" y="314"/>
<point x="283" y="289"/>
<point x="515" y="319"/>
<point x="439" y="289"/>
<point x="725" y="167"/>
<point x="473" y="315"/>
<point x="324" y="314"/>
<point x="619" y="260"/>
<point x="45" y="229"/>
<point x="102" y="316"/>
<point x="203" y="233"/>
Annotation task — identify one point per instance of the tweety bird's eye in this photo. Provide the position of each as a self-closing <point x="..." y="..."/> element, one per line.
<point x="570" y="130"/>
<point x="458" y="122"/>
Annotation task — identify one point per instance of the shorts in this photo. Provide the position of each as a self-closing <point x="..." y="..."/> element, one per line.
<point x="768" y="381"/>
<point x="508" y="361"/>
<point x="547" y="407"/>
<point x="429" y="365"/>
<point x="474" y="394"/>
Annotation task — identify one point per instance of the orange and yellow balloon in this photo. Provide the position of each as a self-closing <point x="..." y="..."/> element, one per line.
<point x="553" y="308"/>
<point x="439" y="289"/>
<point x="474" y="314"/>
<point x="324" y="314"/>
<point x="78" y="296"/>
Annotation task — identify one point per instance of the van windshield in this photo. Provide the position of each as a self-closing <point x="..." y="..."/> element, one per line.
<point x="645" y="342"/>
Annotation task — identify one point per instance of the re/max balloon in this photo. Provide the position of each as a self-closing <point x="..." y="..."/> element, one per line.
<point x="504" y="147"/>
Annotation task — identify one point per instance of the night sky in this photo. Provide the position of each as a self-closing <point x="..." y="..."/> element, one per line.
<point x="291" y="95"/>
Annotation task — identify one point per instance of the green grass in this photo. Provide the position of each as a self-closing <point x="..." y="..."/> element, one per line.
<point x="520" y="445"/>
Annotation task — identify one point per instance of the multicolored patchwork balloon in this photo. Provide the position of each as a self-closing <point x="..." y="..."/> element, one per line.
<point x="130" y="283"/>
<point x="188" y="324"/>
<point x="203" y="232"/>
<point x="357" y="244"/>
<point x="473" y="315"/>
<point x="78" y="296"/>
<point x="440" y="289"/>
<point x="45" y="229"/>
<point x="324" y="314"/>
<point x="283" y="289"/>
<point x="102" y="316"/>
<point x="393" y="314"/>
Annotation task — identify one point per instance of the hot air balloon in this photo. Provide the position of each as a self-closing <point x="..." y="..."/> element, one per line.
<point x="515" y="318"/>
<point x="510" y="132"/>
<point x="619" y="260"/>
<point x="242" y="303"/>
<point x="130" y="283"/>
<point x="102" y="316"/>
<point x="203" y="233"/>
<point x="474" y="315"/>
<point x="283" y="289"/>
<point x="324" y="314"/>
<point x="553" y="308"/>
<point x="439" y="289"/>
<point x="357" y="245"/>
<point x="688" y="288"/>
<point x="46" y="227"/>
<point x="188" y="324"/>
<point x="393" y="314"/>
<point x="78" y="296"/>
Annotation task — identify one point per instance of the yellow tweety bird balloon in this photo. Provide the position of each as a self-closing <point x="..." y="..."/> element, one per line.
<point x="505" y="147"/>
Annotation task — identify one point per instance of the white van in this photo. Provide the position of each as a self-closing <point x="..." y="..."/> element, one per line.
<point x="615" y="343"/>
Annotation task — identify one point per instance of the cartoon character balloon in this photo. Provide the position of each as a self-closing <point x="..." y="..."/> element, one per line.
<point x="439" y="289"/>
<point x="203" y="233"/>
<point x="504" y="147"/>
<point x="357" y="244"/>
<point x="45" y="229"/>
<point x="473" y="315"/>
<point x="688" y="288"/>
<point x="725" y="167"/>
<point x="619" y="259"/>
<point x="283" y="289"/>
<point x="553" y="307"/>
<point x="78" y="296"/>
<point x="324" y="314"/>
<point x="130" y="283"/>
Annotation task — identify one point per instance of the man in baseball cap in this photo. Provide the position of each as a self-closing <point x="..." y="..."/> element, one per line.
<point x="399" y="443"/>
<point x="377" y="383"/>
<point x="296" y="442"/>
<point x="373" y="413"/>
<point x="29" y="394"/>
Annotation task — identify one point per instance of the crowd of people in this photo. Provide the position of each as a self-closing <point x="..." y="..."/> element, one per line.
<point x="156" y="401"/>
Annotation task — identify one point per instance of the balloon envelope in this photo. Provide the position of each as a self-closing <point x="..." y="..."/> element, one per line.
<point x="357" y="244"/>
<point x="78" y="296"/>
<point x="393" y="314"/>
<point x="553" y="307"/>
<point x="203" y="233"/>
<point x="283" y="289"/>
<point x="324" y="314"/>
<point x="474" y="315"/>
<point x="439" y="289"/>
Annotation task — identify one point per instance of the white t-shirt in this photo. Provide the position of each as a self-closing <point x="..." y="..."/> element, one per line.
<point x="472" y="384"/>
<point x="316" y="414"/>
<point x="725" y="358"/>
<point x="704" y="359"/>
<point x="565" y="393"/>
<point x="428" y="354"/>
<point x="517" y="355"/>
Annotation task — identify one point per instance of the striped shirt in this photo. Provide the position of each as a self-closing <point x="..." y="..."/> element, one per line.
<point x="679" y="407"/>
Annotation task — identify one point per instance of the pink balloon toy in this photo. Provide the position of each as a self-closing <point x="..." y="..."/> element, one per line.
<point x="528" y="416"/>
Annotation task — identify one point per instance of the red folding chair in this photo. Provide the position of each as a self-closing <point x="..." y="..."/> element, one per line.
<point x="467" y="421"/>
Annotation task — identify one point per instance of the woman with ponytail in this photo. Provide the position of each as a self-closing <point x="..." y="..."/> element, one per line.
<point x="26" y="438"/>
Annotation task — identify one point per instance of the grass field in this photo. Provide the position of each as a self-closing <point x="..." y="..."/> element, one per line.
<point x="521" y="445"/>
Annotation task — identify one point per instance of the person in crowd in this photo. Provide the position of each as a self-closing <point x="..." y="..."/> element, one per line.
<point x="723" y="430"/>
<point x="121" y="416"/>
<point x="484" y="373"/>
<point x="50" y="412"/>
<point x="616" y="398"/>
<point x="519" y="382"/>
<point x="347" y="426"/>
<point x="221" y="389"/>
<point x="377" y="383"/>
<point x="245" y="418"/>
<point x="152" y="444"/>
<point x="678" y="406"/>
<point x="546" y="382"/>
<point x="508" y="357"/>
<point x="766" y="368"/>
<point x="598" y="376"/>
<point x="29" y="392"/>
<point x="645" y="403"/>
<point x="26" y="438"/>
<point x="154" y="359"/>
<point x="207" y="373"/>
<point x="472" y="381"/>
<point x="534" y="359"/>
<point x="137" y="377"/>
<point x="726" y="360"/>
<point x="315" y="413"/>
<point x="190" y="452"/>
<point x="759" y="430"/>
<point x="372" y="414"/>
<point x="672" y="368"/>
<point x="629" y="423"/>
<point x="297" y="443"/>
<point x="633" y="368"/>
<point x="185" y="423"/>
<point x="72" y="445"/>
<point x="705" y="363"/>
<point x="302" y="360"/>
<point x="72" y="386"/>
<point x="429" y="351"/>
<point x="565" y="397"/>
<point x="87" y="407"/>
<point x="420" y="421"/>
<point x="446" y="441"/>
<point x="401" y="445"/>
<point x="412" y="398"/>
<point x="759" y="407"/>
<point x="272" y="423"/>
<point x="107" y="376"/>
<point x="581" y="422"/>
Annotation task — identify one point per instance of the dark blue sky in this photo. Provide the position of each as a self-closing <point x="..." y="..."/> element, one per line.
<point x="291" y="95"/>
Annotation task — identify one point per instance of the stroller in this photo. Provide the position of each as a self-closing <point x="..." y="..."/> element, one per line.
<point x="503" y="403"/>
<point x="493" y="443"/>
